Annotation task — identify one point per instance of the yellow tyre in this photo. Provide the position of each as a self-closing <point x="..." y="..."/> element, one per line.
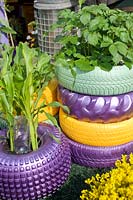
<point x="96" y="134"/>
<point x="49" y="95"/>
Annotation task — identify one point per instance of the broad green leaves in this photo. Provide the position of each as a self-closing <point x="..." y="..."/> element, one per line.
<point x="84" y="64"/>
<point x="96" y="30"/>
<point x="118" y="49"/>
<point x="85" y="18"/>
<point x="5" y="27"/>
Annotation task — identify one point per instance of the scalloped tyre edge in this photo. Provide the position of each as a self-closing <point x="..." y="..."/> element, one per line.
<point x="99" y="157"/>
<point x="39" y="173"/>
<point x="104" y="109"/>
<point x="96" y="134"/>
<point x="97" y="82"/>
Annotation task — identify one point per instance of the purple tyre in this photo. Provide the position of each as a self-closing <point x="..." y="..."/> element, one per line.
<point x="98" y="157"/>
<point x="104" y="109"/>
<point x="3" y="36"/>
<point x="36" y="174"/>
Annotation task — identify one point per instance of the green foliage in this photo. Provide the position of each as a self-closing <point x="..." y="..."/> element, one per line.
<point x="23" y="77"/>
<point x="4" y="27"/>
<point x="95" y="35"/>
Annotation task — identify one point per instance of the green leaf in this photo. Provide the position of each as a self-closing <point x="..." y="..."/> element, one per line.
<point x="128" y="64"/>
<point x="97" y="23"/>
<point x="93" y="38"/>
<point x="4" y="102"/>
<point x="130" y="55"/>
<point x="28" y="54"/>
<point x="107" y="41"/>
<point x="124" y="36"/>
<point x="58" y="104"/>
<point x="113" y="49"/>
<point x="9" y="86"/>
<point x="55" y="138"/>
<point x="85" y="18"/>
<point x="52" y="119"/>
<point x="84" y="65"/>
<point x="5" y="27"/>
<point x="121" y="47"/>
<point x="73" y="72"/>
<point x="60" y="62"/>
<point x="117" y="58"/>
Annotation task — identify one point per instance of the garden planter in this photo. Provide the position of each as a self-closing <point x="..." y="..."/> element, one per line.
<point x="49" y="95"/>
<point x="36" y="174"/>
<point x="97" y="134"/>
<point x="97" y="82"/>
<point x="95" y="64"/>
<point x="100" y="123"/>
<point x="104" y="109"/>
<point x="99" y="157"/>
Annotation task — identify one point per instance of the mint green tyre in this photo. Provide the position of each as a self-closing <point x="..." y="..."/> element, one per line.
<point x="119" y="80"/>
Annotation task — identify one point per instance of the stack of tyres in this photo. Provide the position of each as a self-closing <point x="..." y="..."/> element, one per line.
<point x="100" y="123"/>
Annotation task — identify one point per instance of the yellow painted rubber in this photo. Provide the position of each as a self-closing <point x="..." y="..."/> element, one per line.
<point x="49" y="95"/>
<point x="96" y="134"/>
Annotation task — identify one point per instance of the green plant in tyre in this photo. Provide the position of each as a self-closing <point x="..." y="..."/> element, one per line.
<point x="95" y="36"/>
<point x="23" y="77"/>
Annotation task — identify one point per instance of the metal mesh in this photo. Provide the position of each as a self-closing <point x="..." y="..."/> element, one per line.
<point x="44" y="20"/>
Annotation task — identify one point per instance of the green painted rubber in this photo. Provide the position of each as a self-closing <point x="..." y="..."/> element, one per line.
<point x="97" y="82"/>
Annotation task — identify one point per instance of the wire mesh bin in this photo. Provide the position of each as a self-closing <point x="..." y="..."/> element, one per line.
<point x="45" y="15"/>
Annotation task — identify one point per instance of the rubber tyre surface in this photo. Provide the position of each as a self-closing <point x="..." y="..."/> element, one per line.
<point x="104" y="109"/>
<point x="49" y="95"/>
<point x="97" y="82"/>
<point x="96" y="134"/>
<point x="98" y="157"/>
<point x="3" y="36"/>
<point x="37" y="174"/>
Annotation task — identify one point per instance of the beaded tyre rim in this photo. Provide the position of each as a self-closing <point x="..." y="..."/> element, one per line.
<point x="98" y="157"/>
<point x="37" y="174"/>
<point x="97" y="82"/>
<point x="103" y="109"/>
<point x="96" y="134"/>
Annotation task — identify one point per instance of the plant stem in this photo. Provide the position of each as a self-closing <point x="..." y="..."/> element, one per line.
<point x="33" y="136"/>
<point x="11" y="132"/>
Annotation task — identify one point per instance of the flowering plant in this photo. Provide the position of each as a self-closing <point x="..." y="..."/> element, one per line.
<point x="116" y="184"/>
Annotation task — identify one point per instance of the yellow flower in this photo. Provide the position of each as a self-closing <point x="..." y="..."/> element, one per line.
<point x="117" y="184"/>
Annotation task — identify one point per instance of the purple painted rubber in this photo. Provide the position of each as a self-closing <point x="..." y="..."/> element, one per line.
<point x="37" y="174"/>
<point x="97" y="108"/>
<point x="3" y="37"/>
<point x="98" y="157"/>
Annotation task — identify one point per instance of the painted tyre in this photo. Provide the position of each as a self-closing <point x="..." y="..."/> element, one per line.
<point x="96" y="134"/>
<point x="97" y="82"/>
<point x="49" y="95"/>
<point x="3" y="36"/>
<point x="104" y="109"/>
<point x="37" y="174"/>
<point x="100" y="157"/>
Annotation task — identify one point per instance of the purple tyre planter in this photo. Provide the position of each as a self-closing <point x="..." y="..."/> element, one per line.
<point x="98" y="157"/>
<point x="97" y="108"/>
<point x="3" y="37"/>
<point x="37" y="174"/>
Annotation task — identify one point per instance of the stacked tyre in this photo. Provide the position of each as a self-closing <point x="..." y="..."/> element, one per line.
<point x="49" y="95"/>
<point x="100" y="123"/>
